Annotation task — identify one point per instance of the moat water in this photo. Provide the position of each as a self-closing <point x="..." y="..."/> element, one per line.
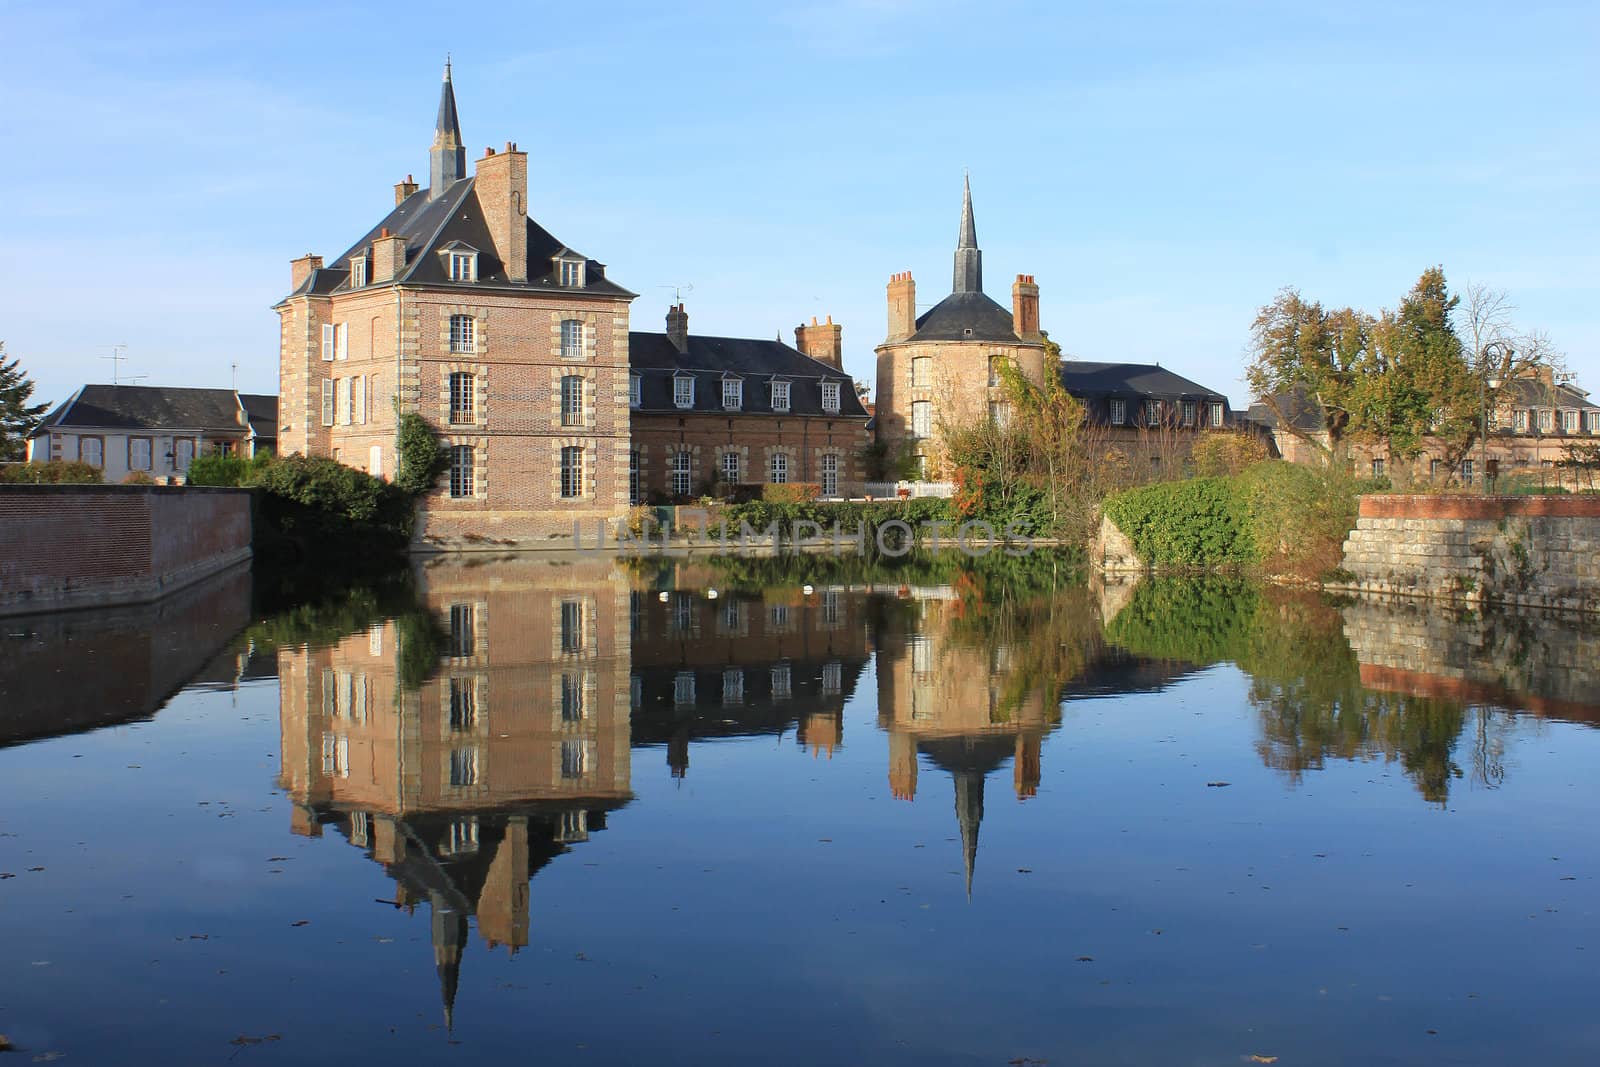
<point x="797" y="812"/>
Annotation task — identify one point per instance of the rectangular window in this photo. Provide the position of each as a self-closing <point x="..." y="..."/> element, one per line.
<point x="139" y="453"/>
<point x="574" y="758"/>
<point x="635" y="391"/>
<point x="732" y="685"/>
<point x="463" y="631"/>
<point x="571" y="339"/>
<point x="1594" y="422"/>
<point x="572" y="629"/>
<point x="780" y="468"/>
<point x="1119" y="412"/>
<point x="1152" y="412"/>
<point x="327" y="402"/>
<point x="635" y="490"/>
<point x="463" y="837"/>
<point x="1466" y="470"/>
<point x="329" y="335"/>
<point x="1569" y="422"/>
<point x="342" y="340"/>
<point x="1377" y="468"/>
<point x="994" y="371"/>
<point x="358" y="273"/>
<point x="1522" y="422"/>
<point x="571" y="272"/>
<point x="92" y="450"/>
<point x="680" y="473"/>
<point x="463" y="766"/>
<point x="1547" y="420"/>
<point x="572" y="400"/>
<point x="683" y="688"/>
<point x="830" y="475"/>
<point x="730" y="468"/>
<point x="780" y="396"/>
<point x="683" y="391"/>
<point x="463" y="397"/>
<point x="732" y="394"/>
<point x="922" y="372"/>
<point x="572" y="710"/>
<point x="463" y="333"/>
<point x="463" y="462"/>
<point x="183" y="454"/>
<point x="832" y="677"/>
<point x="571" y="472"/>
<point x="831" y="614"/>
<point x="921" y="419"/>
<point x="463" y="704"/>
<point x="1215" y="410"/>
<point x="1188" y="412"/>
<point x="780" y="675"/>
<point x="461" y="266"/>
<point x="830" y="397"/>
<point x="1435" y="467"/>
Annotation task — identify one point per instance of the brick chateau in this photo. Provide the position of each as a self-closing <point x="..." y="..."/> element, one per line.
<point x="516" y="347"/>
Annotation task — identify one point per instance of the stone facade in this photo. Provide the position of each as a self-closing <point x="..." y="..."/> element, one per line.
<point x="1540" y="551"/>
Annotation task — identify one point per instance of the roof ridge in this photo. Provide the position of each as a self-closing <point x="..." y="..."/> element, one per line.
<point x="467" y="185"/>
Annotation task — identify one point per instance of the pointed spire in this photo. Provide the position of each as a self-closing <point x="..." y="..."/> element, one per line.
<point x="448" y="157"/>
<point x="969" y="814"/>
<point x="449" y="938"/>
<point x="969" y="260"/>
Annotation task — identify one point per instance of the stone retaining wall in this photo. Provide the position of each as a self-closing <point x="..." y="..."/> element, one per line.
<point x="1535" y="551"/>
<point x="71" y="546"/>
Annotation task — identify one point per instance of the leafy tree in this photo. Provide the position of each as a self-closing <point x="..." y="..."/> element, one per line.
<point x="1303" y="353"/>
<point x="17" y="416"/>
<point x="423" y="456"/>
<point x="1413" y="380"/>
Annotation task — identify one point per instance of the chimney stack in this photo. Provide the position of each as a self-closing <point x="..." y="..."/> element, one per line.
<point x="678" y="327"/>
<point x="300" y="269"/>
<point x="822" y="342"/>
<point x="388" y="256"/>
<point x="502" y="189"/>
<point x="902" y="306"/>
<point x="1025" y="307"/>
<point x="403" y="191"/>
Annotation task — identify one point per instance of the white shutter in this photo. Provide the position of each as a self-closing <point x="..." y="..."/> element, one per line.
<point x="327" y="402"/>
<point x="358" y="399"/>
<point x="344" y="340"/>
<point x="328" y="333"/>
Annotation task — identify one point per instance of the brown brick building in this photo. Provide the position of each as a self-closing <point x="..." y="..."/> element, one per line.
<point x="459" y="306"/>
<point x="711" y="413"/>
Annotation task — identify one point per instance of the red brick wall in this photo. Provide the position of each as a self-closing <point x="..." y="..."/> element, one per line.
<point x="1433" y="506"/>
<point x="804" y="438"/>
<point x="69" y="545"/>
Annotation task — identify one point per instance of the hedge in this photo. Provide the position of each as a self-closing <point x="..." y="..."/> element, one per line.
<point x="1202" y="522"/>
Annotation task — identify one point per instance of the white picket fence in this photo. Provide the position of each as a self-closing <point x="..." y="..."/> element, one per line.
<point x="891" y="490"/>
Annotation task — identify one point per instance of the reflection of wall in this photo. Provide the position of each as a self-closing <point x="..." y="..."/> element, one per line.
<point x="1536" y="661"/>
<point x="742" y="664"/>
<point x="76" y="671"/>
<point x="512" y="747"/>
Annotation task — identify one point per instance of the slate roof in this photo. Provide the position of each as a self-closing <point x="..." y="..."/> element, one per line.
<point x="262" y="411"/>
<point x="455" y="215"/>
<point x="966" y="316"/>
<point x="1300" y="410"/>
<point x="657" y="361"/>
<point x="1534" y="393"/>
<point x="146" y="407"/>
<point x="1097" y="384"/>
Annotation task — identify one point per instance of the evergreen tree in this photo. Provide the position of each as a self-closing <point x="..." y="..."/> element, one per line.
<point x="17" y="416"/>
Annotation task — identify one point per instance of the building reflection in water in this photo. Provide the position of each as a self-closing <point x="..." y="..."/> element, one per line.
<point x="468" y="746"/>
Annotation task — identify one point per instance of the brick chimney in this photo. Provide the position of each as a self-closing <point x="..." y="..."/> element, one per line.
<point x="388" y="256"/>
<point x="902" y="306"/>
<point x="678" y="327"/>
<point x="300" y="269"/>
<point x="404" y="190"/>
<point x="821" y="341"/>
<point x="502" y="188"/>
<point x="1025" y="307"/>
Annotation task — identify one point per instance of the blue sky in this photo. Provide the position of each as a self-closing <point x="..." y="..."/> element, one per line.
<point x="1161" y="168"/>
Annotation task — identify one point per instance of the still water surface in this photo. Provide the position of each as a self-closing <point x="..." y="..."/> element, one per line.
<point x="591" y="814"/>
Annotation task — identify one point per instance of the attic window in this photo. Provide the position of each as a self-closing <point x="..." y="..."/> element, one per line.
<point x="830" y="397"/>
<point x="571" y="273"/>
<point x="358" y="271"/>
<point x="780" y="396"/>
<point x="683" y="391"/>
<point x="463" y="266"/>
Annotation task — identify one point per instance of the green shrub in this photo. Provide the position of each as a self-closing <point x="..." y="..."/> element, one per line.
<point x="1201" y="522"/>
<point x="790" y="492"/>
<point x="330" y="486"/>
<point x="225" y="470"/>
<point x="1300" y="516"/>
<point x="55" y="472"/>
<point x="1217" y="455"/>
<point x="423" y="457"/>
<point x="137" y="478"/>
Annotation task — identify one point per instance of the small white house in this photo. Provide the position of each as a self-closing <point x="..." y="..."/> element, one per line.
<point x="153" y="430"/>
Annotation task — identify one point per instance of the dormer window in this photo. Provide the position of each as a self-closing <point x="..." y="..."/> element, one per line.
<point x="732" y="394"/>
<point x="635" y="391"/>
<point x="830" y="397"/>
<point x="780" y="396"/>
<point x="570" y="272"/>
<point x="358" y="271"/>
<point x="683" y="391"/>
<point x="460" y="261"/>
